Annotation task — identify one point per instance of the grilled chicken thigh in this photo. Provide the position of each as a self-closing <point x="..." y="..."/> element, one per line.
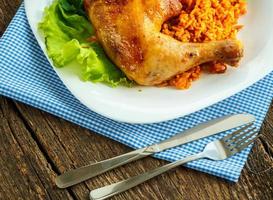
<point x="129" y="31"/>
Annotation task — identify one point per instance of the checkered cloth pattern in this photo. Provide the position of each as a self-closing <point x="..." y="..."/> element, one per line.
<point x="26" y="76"/>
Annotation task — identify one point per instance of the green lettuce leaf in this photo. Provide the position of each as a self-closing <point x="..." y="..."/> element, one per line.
<point x="66" y="30"/>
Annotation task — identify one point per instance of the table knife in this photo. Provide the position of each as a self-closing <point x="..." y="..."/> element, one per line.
<point x="200" y="131"/>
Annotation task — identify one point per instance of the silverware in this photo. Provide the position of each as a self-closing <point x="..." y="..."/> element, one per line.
<point x="200" y="131"/>
<point x="216" y="150"/>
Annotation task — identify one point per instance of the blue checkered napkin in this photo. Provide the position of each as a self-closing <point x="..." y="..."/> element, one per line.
<point x="26" y="75"/>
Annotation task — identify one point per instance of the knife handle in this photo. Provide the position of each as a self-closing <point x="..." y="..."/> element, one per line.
<point x="79" y="175"/>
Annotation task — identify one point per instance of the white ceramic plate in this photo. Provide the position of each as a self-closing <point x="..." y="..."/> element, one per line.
<point x="159" y="104"/>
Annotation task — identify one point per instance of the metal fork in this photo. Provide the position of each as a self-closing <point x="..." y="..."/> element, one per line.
<point x="216" y="150"/>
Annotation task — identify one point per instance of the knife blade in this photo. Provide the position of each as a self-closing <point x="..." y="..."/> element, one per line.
<point x="203" y="130"/>
<point x="198" y="132"/>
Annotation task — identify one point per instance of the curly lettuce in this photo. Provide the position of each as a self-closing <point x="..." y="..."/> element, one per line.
<point x="66" y="30"/>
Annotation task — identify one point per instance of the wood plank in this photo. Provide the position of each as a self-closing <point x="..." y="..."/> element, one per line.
<point x="24" y="171"/>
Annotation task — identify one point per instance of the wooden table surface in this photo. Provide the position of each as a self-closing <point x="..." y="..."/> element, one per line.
<point x="36" y="146"/>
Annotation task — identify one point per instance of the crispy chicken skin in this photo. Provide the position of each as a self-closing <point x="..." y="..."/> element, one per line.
<point x="129" y="31"/>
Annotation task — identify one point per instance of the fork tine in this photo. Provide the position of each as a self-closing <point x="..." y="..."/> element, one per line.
<point x="241" y="137"/>
<point x="246" y="144"/>
<point x="230" y="136"/>
<point x="238" y="143"/>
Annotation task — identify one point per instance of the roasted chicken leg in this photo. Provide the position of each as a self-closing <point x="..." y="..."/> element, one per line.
<point x="129" y="31"/>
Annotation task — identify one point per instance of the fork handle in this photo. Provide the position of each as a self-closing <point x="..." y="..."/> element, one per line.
<point x="116" y="188"/>
<point x="84" y="173"/>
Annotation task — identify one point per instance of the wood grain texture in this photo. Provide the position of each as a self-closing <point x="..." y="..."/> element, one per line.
<point x="25" y="171"/>
<point x="36" y="146"/>
<point x="7" y="10"/>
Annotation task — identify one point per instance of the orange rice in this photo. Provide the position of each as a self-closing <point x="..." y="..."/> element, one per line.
<point x="202" y="21"/>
